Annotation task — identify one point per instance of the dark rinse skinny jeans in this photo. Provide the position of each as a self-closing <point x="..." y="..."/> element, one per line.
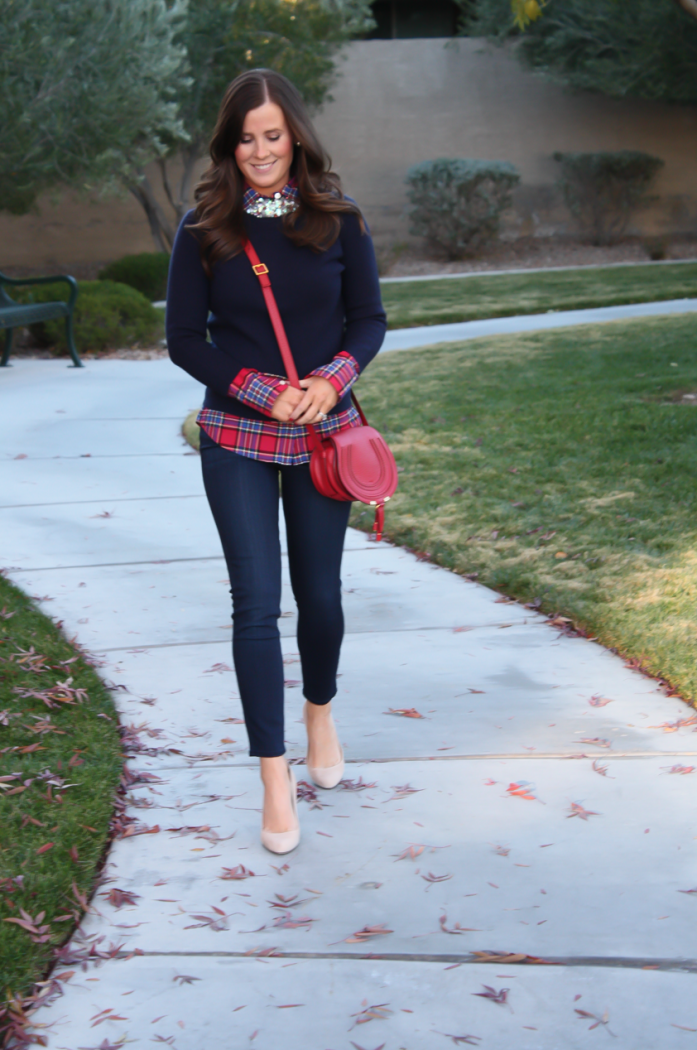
<point x="243" y="494"/>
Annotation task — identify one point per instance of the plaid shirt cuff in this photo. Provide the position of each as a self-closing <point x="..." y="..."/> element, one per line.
<point x="257" y="389"/>
<point x="342" y="372"/>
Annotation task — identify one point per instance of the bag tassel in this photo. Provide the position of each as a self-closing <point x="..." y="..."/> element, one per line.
<point x="379" y="523"/>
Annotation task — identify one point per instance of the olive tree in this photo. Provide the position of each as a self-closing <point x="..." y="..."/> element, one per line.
<point x="89" y="92"/>
<point x="643" y="49"/>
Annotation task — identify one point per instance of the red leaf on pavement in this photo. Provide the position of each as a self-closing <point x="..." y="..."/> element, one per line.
<point x="577" y="810"/>
<point x="522" y="789"/>
<point x="599" y="701"/>
<point x="366" y="933"/>
<point x="411" y="851"/>
<point x="356" y="785"/>
<point x="237" y="873"/>
<point x="500" y="997"/>
<point x="120" y="897"/>
<point x="405" y="712"/>
<point x="403" y="792"/>
<point x="456" y="928"/>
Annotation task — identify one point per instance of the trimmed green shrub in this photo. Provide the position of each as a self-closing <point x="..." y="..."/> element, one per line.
<point x="147" y="273"/>
<point x="108" y="316"/>
<point x="602" y="190"/>
<point x="457" y="204"/>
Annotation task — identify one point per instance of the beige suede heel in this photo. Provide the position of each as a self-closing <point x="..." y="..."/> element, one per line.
<point x="284" y="841"/>
<point x="326" y="776"/>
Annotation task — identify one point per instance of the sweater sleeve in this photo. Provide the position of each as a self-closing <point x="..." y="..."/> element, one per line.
<point x="188" y="294"/>
<point x="365" y="317"/>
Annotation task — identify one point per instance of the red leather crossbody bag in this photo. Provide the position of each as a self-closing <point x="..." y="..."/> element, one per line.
<point x="353" y="464"/>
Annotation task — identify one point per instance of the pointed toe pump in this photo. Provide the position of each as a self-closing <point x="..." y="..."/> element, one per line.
<point x="326" y="776"/>
<point x="284" y="841"/>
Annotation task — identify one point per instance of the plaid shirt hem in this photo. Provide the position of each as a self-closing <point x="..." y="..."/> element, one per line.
<point x="342" y="372"/>
<point x="284" y="443"/>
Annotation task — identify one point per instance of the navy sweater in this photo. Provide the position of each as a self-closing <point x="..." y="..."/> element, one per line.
<point x="329" y="302"/>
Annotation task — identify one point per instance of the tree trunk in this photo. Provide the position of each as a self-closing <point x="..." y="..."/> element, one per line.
<point x="160" y="226"/>
<point x="190" y="157"/>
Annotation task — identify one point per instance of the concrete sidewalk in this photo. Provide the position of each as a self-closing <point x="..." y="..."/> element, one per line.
<point x="538" y="779"/>
<point x="410" y="338"/>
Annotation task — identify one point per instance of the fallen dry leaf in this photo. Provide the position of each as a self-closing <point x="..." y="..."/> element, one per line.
<point x="377" y="1012"/>
<point x="412" y="852"/>
<point x="237" y="873"/>
<point x="670" y="769"/>
<point x="216" y="922"/>
<point x="577" y="810"/>
<point x="596" y="740"/>
<point x="356" y="785"/>
<point x="586" y="1015"/>
<point x="405" y="712"/>
<point x="500" y="997"/>
<point x="366" y="933"/>
<point x="673" y="727"/>
<point x="120" y="897"/>
<point x="599" y="701"/>
<point x="403" y="792"/>
<point x="522" y="789"/>
<point x="456" y="929"/>
<point x="509" y="957"/>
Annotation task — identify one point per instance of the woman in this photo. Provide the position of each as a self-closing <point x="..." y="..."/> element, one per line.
<point x="269" y="182"/>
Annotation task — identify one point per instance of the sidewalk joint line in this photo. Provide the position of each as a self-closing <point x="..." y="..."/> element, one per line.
<point x="116" y="499"/>
<point x="608" y="962"/>
<point x="494" y="756"/>
<point x="347" y="634"/>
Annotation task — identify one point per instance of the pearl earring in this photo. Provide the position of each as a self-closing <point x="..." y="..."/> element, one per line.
<point x="297" y="143"/>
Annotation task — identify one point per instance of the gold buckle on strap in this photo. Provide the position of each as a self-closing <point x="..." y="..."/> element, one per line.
<point x="260" y="269"/>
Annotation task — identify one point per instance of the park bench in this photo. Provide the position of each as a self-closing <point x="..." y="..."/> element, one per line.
<point x="18" y="315"/>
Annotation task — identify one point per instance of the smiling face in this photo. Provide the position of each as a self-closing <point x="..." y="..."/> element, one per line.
<point x="265" y="150"/>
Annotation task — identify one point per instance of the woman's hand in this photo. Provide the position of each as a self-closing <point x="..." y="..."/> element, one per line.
<point x="317" y="401"/>
<point x="285" y="403"/>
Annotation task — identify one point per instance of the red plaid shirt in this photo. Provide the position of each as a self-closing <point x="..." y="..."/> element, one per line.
<point x="274" y="442"/>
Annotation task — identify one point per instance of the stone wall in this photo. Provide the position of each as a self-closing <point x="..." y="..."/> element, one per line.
<point x="398" y="102"/>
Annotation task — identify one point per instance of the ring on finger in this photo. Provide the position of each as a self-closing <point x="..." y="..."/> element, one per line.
<point x="322" y="416"/>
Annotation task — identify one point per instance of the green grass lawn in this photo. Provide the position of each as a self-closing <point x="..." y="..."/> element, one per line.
<point x="471" y="298"/>
<point x="559" y="466"/>
<point x="60" y="760"/>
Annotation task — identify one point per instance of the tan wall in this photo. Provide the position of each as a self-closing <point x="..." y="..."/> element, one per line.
<point x="402" y="101"/>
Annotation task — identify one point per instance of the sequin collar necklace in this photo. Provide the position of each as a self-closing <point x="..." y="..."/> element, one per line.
<point x="282" y="202"/>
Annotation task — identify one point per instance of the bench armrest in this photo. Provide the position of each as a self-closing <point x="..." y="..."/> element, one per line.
<point x="45" y="280"/>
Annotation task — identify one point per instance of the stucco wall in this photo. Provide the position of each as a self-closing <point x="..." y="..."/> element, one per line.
<point x="398" y="102"/>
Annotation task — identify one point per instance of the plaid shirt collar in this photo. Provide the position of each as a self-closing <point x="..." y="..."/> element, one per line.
<point x="289" y="193"/>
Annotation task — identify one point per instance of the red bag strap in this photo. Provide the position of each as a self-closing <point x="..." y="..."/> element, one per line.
<point x="262" y="272"/>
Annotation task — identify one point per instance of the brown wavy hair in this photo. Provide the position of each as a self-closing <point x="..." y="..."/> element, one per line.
<point x="219" y="195"/>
